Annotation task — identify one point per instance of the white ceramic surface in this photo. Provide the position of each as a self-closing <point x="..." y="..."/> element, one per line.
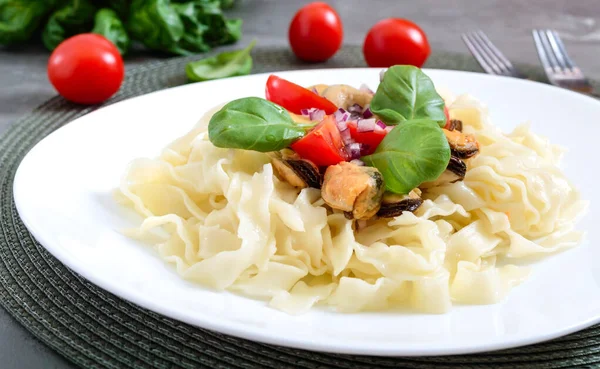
<point x="63" y="194"/>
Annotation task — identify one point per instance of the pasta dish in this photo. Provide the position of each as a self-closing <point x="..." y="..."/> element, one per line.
<point x="357" y="200"/>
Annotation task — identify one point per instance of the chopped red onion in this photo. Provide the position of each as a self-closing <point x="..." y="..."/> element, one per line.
<point x="367" y="113"/>
<point x="346" y="137"/>
<point x="305" y="112"/>
<point x="341" y="115"/>
<point x="317" y="115"/>
<point x="388" y="129"/>
<point x="381" y="125"/>
<point x="364" y="149"/>
<point x="355" y="109"/>
<point x="314" y="89"/>
<point x="366" y="88"/>
<point x="366" y="125"/>
<point x="354" y="150"/>
<point x="342" y="125"/>
<point x="358" y="162"/>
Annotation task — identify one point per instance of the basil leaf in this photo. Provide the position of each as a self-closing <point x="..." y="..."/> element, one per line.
<point x="412" y="153"/>
<point x="227" y="64"/>
<point x="252" y="123"/>
<point x="406" y="93"/>
<point x="108" y="24"/>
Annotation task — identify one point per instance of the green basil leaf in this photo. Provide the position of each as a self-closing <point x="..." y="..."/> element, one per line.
<point x="412" y="153"/>
<point x="77" y="16"/>
<point x="406" y="93"/>
<point x="252" y="123"/>
<point x="227" y="64"/>
<point x="108" y="24"/>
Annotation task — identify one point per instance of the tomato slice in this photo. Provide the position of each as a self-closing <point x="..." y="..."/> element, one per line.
<point x="294" y="97"/>
<point x="447" y="114"/>
<point x="323" y="145"/>
<point x="371" y="139"/>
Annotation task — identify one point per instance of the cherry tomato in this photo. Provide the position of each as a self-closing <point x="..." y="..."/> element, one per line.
<point x="86" y="69"/>
<point x="371" y="139"/>
<point x="447" y="114"/>
<point x="323" y="145"/>
<point x="294" y="97"/>
<point x="315" y="33"/>
<point x="395" y="41"/>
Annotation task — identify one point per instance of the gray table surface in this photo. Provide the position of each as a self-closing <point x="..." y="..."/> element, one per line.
<point x="508" y="23"/>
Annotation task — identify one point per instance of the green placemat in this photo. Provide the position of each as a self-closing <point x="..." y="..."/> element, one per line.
<point x="95" y="329"/>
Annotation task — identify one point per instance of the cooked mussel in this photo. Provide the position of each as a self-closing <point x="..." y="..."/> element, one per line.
<point x="454" y="125"/>
<point x="462" y="145"/>
<point x="355" y="190"/>
<point x="393" y="205"/>
<point x="344" y="96"/>
<point x="296" y="171"/>
<point x="455" y="171"/>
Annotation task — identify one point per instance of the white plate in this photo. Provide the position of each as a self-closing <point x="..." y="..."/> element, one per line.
<point x="63" y="194"/>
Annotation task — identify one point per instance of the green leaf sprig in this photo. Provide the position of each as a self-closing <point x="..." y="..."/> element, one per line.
<point x="226" y="64"/>
<point x="252" y="123"/>
<point x="407" y="93"/>
<point x="414" y="152"/>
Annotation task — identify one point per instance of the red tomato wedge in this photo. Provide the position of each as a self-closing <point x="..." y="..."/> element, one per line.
<point x="323" y="145"/>
<point x="294" y="97"/>
<point x="371" y="139"/>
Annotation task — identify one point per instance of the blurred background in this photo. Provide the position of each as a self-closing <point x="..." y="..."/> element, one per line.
<point x="508" y="23"/>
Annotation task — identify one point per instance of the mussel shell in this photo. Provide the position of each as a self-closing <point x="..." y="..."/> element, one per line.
<point x="455" y="125"/>
<point x="307" y="171"/>
<point x="395" y="209"/>
<point x="457" y="166"/>
<point x="464" y="154"/>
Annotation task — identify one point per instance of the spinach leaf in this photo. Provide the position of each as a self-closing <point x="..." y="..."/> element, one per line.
<point x="119" y="6"/>
<point x="20" y="18"/>
<point x="108" y="24"/>
<point x="252" y="123"/>
<point x="227" y="4"/>
<point x="412" y="153"/>
<point x="183" y="27"/>
<point x="156" y="24"/>
<point x="226" y="64"/>
<point x="407" y="93"/>
<point x="75" y="17"/>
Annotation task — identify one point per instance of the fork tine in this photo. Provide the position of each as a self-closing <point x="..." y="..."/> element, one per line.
<point x="502" y="60"/>
<point x="554" y="63"/>
<point x="541" y="50"/>
<point x="559" y="49"/>
<point x="558" y="55"/>
<point x="479" y="54"/>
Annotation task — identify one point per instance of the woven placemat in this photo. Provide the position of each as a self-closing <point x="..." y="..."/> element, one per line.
<point x="96" y="329"/>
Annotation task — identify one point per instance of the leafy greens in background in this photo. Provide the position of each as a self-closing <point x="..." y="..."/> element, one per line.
<point x="174" y="26"/>
<point x="226" y="64"/>
<point x="20" y="19"/>
<point x="108" y="24"/>
<point x="75" y="16"/>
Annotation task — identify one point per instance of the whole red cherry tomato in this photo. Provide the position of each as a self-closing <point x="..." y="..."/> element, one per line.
<point x="395" y="41"/>
<point x="86" y="69"/>
<point x="316" y="32"/>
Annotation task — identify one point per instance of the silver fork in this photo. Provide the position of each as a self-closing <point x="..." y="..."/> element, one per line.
<point x="559" y="67"/>
<point x="488" y="55"/>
